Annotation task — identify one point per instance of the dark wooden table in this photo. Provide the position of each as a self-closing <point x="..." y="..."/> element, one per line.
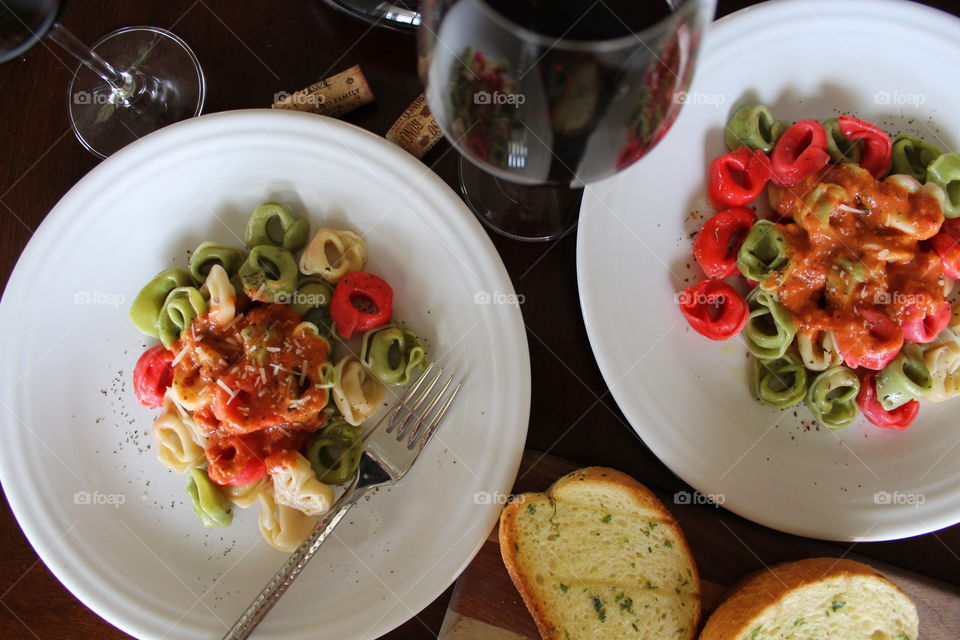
<point x="249" y="52"/>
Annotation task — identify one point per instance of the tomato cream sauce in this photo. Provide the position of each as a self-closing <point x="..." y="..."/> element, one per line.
<point x="857" y="262"/>
<point x="261" y="373"/>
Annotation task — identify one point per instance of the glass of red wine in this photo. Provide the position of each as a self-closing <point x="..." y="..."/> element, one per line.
<point x="129" y="83"/>
<point x="542" y="97"/>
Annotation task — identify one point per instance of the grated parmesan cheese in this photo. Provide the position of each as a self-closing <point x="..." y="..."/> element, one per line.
<point x="850" y="209"/>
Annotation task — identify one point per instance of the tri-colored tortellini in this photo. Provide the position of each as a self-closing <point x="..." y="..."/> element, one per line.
<point x="170" y="302"/>
<point x="357" y="392"/>
<point x="208" y="502"/>
<point x="778" y="383"/>
<point x="770" y="329"/>
<point x="911" y="156"/>
<point x="269" y="274"/>
<point x="942" y="359"/>
<point x="181" y="306"/>
<point x="818" y="350"/>
<point x="333" y="253"/>
<point x="945" y="173"/>
<point x="238" y="345"/>
<point x="763" y="252"/>
<point x="906" y="378"/>
<point x="334" y="453"/>
<point x="273" y="224"/>
<point x="221" y="296"/>
<point x="832" y="397"/>
<point x="180" y="445"/>
<point x="282" y="526"/>
<point x="754" y="127"/>
<point x="296" y="485"/>
<point x="209" y="254"/>
<point x="840" y="148"/>
<point x="149" y="304"/>
<point x="392" y="354"/>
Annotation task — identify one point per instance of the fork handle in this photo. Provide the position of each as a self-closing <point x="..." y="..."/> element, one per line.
<point x="284" y="577"/>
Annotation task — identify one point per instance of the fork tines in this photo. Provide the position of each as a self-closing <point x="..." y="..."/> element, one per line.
<point x="413" y="420"/>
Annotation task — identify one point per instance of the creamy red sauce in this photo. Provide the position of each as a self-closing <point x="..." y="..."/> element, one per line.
<point x="855" y="250"/>
<point x="261" y="373"/>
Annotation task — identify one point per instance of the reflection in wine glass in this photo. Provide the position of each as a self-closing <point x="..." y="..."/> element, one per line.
<point x="541" y="99"/>
<point x="131" y="82"/>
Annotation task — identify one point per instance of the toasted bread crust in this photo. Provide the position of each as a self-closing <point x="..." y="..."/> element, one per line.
<point x="749" y="597"/>
<point x="598" y="476"/>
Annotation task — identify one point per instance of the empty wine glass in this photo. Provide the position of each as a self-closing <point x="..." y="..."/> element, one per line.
<point x="130" y="82"/>
<point x="541" y="98"/>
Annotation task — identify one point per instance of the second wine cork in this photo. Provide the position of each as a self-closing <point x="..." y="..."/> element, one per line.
<point x="415" y="130"/>
<point x="331" y="96"/>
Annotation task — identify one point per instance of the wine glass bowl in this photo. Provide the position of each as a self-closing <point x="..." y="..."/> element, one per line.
<point x="165" y="85"/>
<point x="561" y="95"/>
<point x="132" y="82"/>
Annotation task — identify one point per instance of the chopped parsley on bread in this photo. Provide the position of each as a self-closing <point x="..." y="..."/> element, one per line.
<point x="814" y="599"/>
<point x="598" y="556"/>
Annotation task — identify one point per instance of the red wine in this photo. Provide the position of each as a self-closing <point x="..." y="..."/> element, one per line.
<point x="583" y="19"/>
<point x="591" y="93"/>
<point x="23" y="23"/>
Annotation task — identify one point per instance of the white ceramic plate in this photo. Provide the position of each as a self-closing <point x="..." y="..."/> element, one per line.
<point x="889" y="62"/>
<point x="73" y="433"/>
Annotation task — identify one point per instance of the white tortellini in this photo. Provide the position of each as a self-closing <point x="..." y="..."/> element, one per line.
<point x="244" y="495"/>
<point x="901" y="220"/>
<point x="357" y="394"/>
<point x="818" y="351"/>
<point x="943" y="360"/>
<point x="180" y="446"/>
<point x="296" y="485"/>
<point x="333" y="253"/>
<point x="188" y="389"/>
<point x="222" y="296"/>
<point x="283" y="527"/>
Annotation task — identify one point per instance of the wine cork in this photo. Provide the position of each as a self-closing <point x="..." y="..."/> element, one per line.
<point x="332" y="96"/>
<point x="415" y="130"/>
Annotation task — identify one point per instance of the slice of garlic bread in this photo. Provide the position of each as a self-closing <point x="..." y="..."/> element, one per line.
<point x="598" y="556"/>
<point x="814" y="599"/>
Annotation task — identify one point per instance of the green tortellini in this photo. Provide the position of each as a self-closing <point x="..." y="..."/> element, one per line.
<point x="763" y="251"/>
<point x="841" y="148"/>
<point x="770" y="329"/>
<point x="754" y="127"/>
<point x="945" y="172"/>
<point x="335" y="452"/>
<point x="270" y="274"/>
<point x="911" y="156"/>
<point x="906" y="378"/>
<point x="846" y="276"/>
<point x="778" y="383"/>
<point x="208" y="502"/>
<point x="145" y="310"/>
<point x="832" y="397"/>
<point x="312" y="301"/>
<point x="211" y="253"/>
<point x="392" y="353"/>
<point x="182" y="305"/>
<point x="293" y="232"/>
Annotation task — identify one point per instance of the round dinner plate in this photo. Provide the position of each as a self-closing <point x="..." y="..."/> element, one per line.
<point x="889" y="62"/>
<point x="77" y="462"/>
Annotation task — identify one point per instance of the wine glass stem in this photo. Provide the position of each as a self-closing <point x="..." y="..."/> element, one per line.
<point x="123" y="85"/>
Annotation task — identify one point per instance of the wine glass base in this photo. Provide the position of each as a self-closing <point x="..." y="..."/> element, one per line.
<point x="536" y="213"/>
<point x="169" y="87"/>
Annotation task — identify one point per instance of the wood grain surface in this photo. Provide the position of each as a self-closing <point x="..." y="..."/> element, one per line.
<point x="250" y="51"/>
<point x="486" y="606"/>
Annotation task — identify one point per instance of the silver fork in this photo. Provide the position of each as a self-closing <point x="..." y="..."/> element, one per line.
<point x="391" y="446"/>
